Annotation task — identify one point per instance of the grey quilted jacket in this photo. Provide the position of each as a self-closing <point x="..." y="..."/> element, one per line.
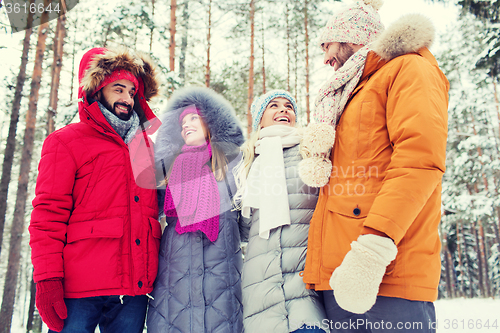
<point x="275" y="298"/>
<point x="198" y="286"/>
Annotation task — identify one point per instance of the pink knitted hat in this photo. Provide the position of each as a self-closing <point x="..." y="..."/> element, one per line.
<point x="119" y="74"/>
<point x="357" y="24"/>
<point x="188" y="110"/>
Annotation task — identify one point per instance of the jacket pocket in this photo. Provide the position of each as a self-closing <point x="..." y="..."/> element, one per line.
<point x="154" y="239"/>
<point x="93" y="256"/>
<point x="351" y="213"/>
<point x="343" y="221"/>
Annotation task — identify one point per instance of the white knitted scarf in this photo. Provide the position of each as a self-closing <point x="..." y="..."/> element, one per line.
<point x="266" y="183"/>
<point x="335" y="93"/>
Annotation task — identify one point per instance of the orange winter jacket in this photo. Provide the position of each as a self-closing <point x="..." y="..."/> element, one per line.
<point x="388" y="161"/>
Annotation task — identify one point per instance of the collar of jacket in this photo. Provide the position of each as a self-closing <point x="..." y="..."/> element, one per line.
<point x="412" y="33"/>
<point x="374" y="63"/>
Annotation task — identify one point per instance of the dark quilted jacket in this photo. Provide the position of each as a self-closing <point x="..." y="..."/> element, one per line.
<point x="198" y="287"/>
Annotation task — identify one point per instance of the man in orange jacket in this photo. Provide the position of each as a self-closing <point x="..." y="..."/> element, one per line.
<point x="377" y="149"/>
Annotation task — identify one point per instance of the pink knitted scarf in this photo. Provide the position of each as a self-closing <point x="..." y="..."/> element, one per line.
<point x="192" y="194"/>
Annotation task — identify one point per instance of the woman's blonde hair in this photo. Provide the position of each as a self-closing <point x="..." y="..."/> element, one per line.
<point x="241" y="170"/>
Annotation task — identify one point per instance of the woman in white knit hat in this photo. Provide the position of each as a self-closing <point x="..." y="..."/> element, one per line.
<point x="277" y="207"/>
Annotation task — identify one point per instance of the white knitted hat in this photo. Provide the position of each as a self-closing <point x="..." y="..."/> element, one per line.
<point x="358" y="24"/>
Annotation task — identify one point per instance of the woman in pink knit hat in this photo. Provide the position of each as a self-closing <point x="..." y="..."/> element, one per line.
<point x="198" y="288"/>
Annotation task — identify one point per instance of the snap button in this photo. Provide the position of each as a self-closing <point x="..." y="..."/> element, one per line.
<point x="198" y="239"/>
<point x="139" y="284"/>
<point x="138" y="241"/>
<point x="356" y="211"/>
<point x="136" y="198"/>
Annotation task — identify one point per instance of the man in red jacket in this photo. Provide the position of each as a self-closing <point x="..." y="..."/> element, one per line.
<point x="94" y="231"/>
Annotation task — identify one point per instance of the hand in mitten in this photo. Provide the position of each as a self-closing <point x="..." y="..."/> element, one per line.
<point x="50" y="303"/>
<point x="356" y="281"/>
<point x="315" y="168"/>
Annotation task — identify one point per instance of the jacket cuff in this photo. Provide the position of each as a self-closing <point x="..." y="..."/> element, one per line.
<point x="371" y="231"/>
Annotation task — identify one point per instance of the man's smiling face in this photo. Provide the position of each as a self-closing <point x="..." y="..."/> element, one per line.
<point x="336" y="54"/>
<point x="118" y="97"/>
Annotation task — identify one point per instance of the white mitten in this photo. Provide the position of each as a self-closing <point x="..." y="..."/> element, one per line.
<point x="315" y="168"/>
<point x="356" y="281"/>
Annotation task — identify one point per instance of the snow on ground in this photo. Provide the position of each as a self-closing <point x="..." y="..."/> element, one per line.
<point x="468" y="315"/>
<point x="457" y="315"/>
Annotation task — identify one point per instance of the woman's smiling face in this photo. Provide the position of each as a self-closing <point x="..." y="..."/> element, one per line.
<point x="278" y="112"/>
<point x="193" y="131"/>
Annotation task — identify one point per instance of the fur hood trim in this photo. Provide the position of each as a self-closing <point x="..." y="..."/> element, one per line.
<point x="216" y="111"/>
<point x="407" y="35"/>
<point x="138" y="63"/>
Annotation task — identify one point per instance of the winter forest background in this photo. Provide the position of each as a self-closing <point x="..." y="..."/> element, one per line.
<point x="241" y="48"/>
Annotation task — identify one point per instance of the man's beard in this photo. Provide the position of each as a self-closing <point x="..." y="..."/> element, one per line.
<point x="113" y="108"/>
<point x="345" y="52"/>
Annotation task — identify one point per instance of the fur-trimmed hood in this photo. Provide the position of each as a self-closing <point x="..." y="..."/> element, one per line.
<point x="215" y="110"/>
<point x="98" y="63"/>
<point x="408" y="34"/>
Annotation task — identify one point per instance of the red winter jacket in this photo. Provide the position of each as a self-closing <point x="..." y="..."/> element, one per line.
<point x="92" y="224"/>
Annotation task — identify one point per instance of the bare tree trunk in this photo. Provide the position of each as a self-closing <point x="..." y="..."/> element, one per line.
<point x="497" y="103"/>
<point x="173" y="6"/>
<point x="152" y="27"/>
<point x="73" y="61"/>
<point x="18" y="222"/>
<point x="308" y="110"/>
<point x="59" y="36"/>
<point x="250" y="71"/>
<point x="450" y="276"/>
<point x="484" y="258"/>
<point x="447" y="262"/>
<point x="287" y="47"/>
<point x="8" y="158"/>
<point x="184" y="42"/>
<point x="207" y="69"/>
<point x="477" y="247"/>
<point x="469" y="268"/>
<point x="263" y="58"/>
<point x="33" y="324"/>
<point x="296" y="72"/>
<point x="495" y="225"/>
<point x="460" y="264"/>
<point x="105" y="42"/>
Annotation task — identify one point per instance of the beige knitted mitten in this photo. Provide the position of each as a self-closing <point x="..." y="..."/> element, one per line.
<point x="356" y="281"/>
<point x="315" y="168"/>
